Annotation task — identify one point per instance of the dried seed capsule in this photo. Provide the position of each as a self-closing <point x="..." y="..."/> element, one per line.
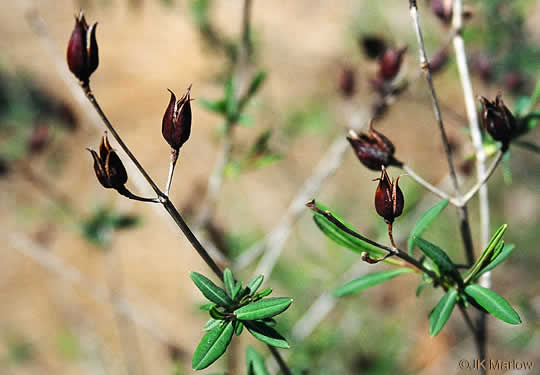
<point x="389" y="199"/>
<point x="499" y="122"/>
<point x="373" y="46"/>
<point x="390" y="63"/>
<point x="347" y="82"/>
<point x="176" y="124"/>
<point x="82" y="51"/>
<point x="109" y="168"/>
<point x="373" y="149"/>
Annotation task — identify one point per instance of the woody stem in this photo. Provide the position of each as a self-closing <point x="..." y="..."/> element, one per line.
<point x="128" y="194"/>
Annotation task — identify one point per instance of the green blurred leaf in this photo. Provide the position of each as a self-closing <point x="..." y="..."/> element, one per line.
<point x="438" y="256"/>
<point x="216" y="106"/>
<point x="425" y="221"/>
<point x="367" y="281"/>
<point x="422" y="286"/>
<point x="256" y="83"/>
<point x="263" y="293"/>
<point x="212" y="345"/>
<point x="266" y="334"/>
<point x="342" y="238"/>
<point x="493" y="303"/>
<point x="211" y="290"/>
<point x="255" y="362"/>
<point x="206" y="306"/>
<point x="264" y="308"/>
<point x="440" y="314"/>
<point x="231" y="104"/>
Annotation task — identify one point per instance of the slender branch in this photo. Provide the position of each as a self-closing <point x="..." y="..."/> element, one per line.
<point x="528" y="146"/>
<point x="435" y="190"/>
<point x="174" y="159"/>
<point x="396" y="251"/>
<point x="424" y="65"/>
<point x="465" y="228"/>
<point x="128" y="194"/>
<point x="246" y="29"/>
<point x="483" y="179"/>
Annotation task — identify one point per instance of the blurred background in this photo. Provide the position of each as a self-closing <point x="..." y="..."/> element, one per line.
<point x="93" y="283"/>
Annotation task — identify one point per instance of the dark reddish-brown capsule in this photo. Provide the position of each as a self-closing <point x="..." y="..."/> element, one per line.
<point x="176" y="125"/>
<point x="347" y="82"/>
<point x="389" y="200"/>
<point x="373" y="149"/>
<point x="498" y="121"/>
<point x="82" y="51"/>
<point x="109" y="168"/>
<point x="442" y="9"/>
<point x="390" y="63"/>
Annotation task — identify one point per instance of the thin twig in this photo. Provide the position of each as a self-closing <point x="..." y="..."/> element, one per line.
<point x="482" y="180"/>
<point x="465" y="228"/>
<point x="435" y="190"/>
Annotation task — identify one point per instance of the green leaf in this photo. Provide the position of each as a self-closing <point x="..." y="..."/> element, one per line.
<point x="216" y="106"/>
<point x="505" y="253"/>
<point x="263" y="293"/>
<point x="231" y="104"/>
<point x="342" y="238"/>
<point x="206" y="306"/>
<point x="211" y="290"/>
<point x="266" y="334"/>
<point x="440" y="314"/>
<point x="486" y="255"/>
<point x="238" y="328"/>
<point x="438" y="256"/>
<point x="229" y="282"/>
<point x="237" y="289"/>
<point x="211" y="323"/>
<point x="422" y="286"/>
<point x="255" y="284"/>
<point x="255" y="362"/>
<point x="367" y="281"/>
<point x="425" y="221"/>
<point x="264" y="308"/>
<point x="212" y="346"/>
<point x="256" y="83"/>
<point x="493" y="303"/>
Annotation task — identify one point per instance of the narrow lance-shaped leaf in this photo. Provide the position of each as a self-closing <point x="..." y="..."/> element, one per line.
<point x="425" y="221"/>
<point x="212" y="346"/>
<point x="438" y="256"/>
<point x="255" y="284"/>
<point x="228" y="280"/>
<point x="264" y="308"/>
<point x="367" y="281"/>
<point x="342" y="238"/>
<point x="217" y="106"/>
<point x="493" y="303"/>
<point x="505" y="253"/>
<point x="211" y="290"/>
<point x="485" y="257"/>
<point x="266" y="334"/>
<point x="256" y="83"/>
<point x="255" y="362"/>
<point x="440" y="314"/>
<point x="211" y="323"/>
